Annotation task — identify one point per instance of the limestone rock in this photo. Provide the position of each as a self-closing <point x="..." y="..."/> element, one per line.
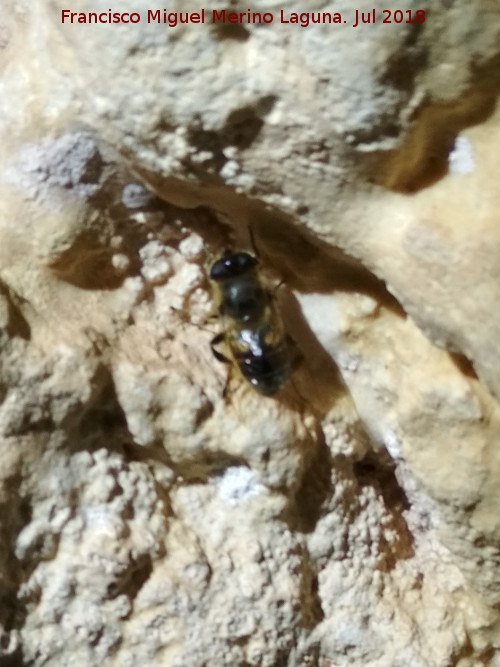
<point x="154" y="509"/>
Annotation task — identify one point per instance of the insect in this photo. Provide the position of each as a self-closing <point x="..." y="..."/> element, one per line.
<point x="253" y="328"/>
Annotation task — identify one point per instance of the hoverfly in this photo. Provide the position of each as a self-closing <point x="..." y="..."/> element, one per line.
<point x="253" y="328"/>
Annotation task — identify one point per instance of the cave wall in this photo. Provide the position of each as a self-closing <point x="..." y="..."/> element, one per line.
<point x="154" y="508"/>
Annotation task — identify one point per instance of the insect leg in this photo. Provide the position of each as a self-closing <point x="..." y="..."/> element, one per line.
<point x="217" y="340"/>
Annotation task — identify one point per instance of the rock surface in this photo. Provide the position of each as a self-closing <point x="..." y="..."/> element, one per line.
<point x="148" y="516"/>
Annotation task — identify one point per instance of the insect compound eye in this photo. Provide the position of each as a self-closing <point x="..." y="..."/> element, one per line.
<point x="231" y="266"/>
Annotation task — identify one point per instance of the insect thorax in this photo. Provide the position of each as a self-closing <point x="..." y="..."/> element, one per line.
<point x="243" y="300"/>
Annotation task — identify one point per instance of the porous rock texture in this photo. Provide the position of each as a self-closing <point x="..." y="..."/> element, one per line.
<point x="147" y="516"/>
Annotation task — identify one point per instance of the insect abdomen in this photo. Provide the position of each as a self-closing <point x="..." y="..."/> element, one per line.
<point x="266" y="373"/>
